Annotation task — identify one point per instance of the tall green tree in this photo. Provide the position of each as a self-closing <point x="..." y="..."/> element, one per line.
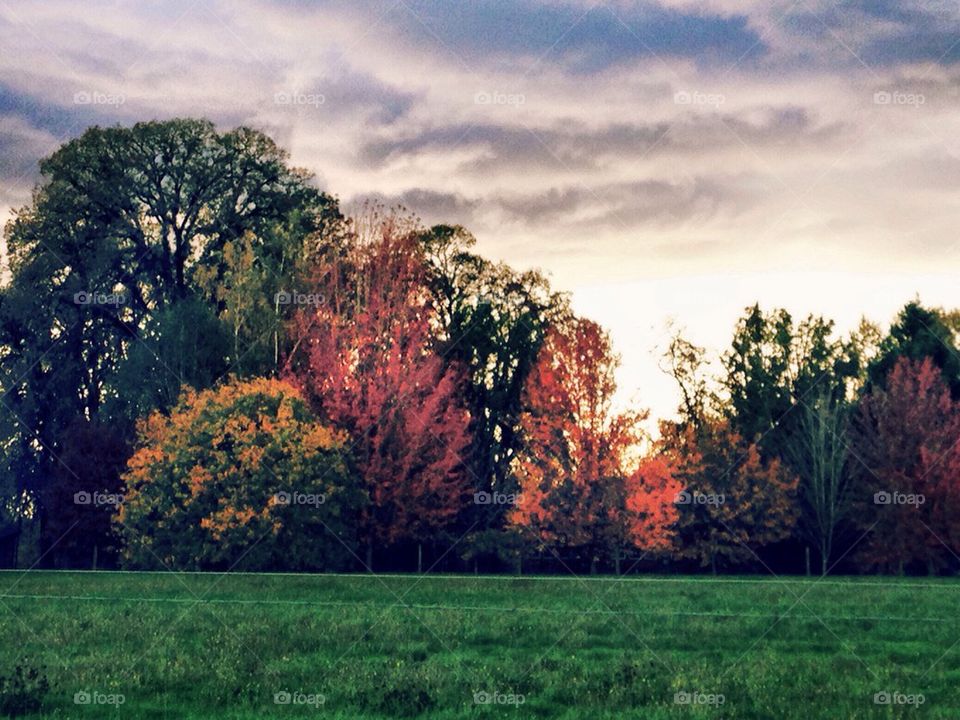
<point x="126" y="224"/>
<point x="788" y="388"/>
<point x="492" y="321"/>
<point x="774" y="364"/>
<point x="757" y="368"/>
<point x="920" y="333"/>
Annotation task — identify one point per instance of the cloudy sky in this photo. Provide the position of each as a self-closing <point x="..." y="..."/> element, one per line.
<point x="661" y="160"/>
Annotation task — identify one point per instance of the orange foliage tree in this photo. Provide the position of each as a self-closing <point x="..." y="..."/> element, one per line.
<point x="365" y="361"/>
<point x="907" y="447"/>
<point x="577" y="490"/>
<point x="732" y="501"/>
<point x="239" y="476"/>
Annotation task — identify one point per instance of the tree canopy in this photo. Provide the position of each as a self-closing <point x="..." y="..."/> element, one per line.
<point x="194" y="338"/>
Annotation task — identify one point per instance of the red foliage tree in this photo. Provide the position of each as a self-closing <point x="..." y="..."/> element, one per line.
<point x="364" y="360"/>
<point x="576" y="489"/>
<point x="907" y="441"/>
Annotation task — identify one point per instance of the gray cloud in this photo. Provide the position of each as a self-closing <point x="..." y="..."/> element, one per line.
<point x="580" y="208"/>
<point x="431" y="206"/>
<point x="20" y="147"/>
<point x="569" y="145"/>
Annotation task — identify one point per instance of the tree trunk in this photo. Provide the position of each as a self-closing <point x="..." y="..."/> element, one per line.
<point x="806" y="557"/>
<point x="16" y="543"/>
<point x="420" y="558"/>
<point x="276" y="333"/>
<point x="616" y="561"/>
<point x="824" y="557"/>
<point x="369" y="563"/>
<point x="593" y="565"/>
<point x="96" y="548"/>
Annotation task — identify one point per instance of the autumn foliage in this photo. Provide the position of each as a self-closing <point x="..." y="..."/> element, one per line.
<point x="907" y="447"/>
<point x="242" y="476"/>
<point x="366" y="363"/>
<point x="576" y="487"/>
<point x="371" y="415"/>
<point x="252" y="346"/>
<point x="733" y="503"/>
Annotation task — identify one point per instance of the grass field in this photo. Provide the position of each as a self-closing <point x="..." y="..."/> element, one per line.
<point x="205" y="646"/>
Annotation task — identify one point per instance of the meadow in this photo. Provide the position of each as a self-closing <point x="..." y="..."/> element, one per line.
<point x="180" y="645"/>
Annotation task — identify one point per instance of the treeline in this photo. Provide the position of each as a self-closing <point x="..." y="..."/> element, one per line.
<point x="209" y="366"/>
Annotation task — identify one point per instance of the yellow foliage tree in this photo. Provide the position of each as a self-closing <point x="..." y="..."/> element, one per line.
<point x="239" y="476"/>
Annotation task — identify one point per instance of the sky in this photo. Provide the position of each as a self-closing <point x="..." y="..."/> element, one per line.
<point x="667" y="163"/>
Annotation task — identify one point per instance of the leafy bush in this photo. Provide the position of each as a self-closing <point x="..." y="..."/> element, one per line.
<point x="240" y="477"/>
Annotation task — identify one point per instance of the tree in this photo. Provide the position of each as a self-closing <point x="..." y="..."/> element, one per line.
<point x="643" y="512"/>
<point x="82" y="497"/>
<point x="492" y="321"/>
<point x="789" y="387"/>
<point x="733" y="502"/>
<point x="685" y="363"/>
<point x="919" y="333"/>
<point x="365" y="361"/>
<point x="126" y="224"/>
<point x="577" y="492"/>
<point x="907" y="444"/>
<point x="184" y="344"/>
<point x="818" y="453"/>
<point x="773" y="365"/>
<point x="757" y="375"/>
<point x="241" y="476"/>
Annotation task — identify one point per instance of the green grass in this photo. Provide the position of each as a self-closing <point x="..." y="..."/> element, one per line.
<point x="205" y="646"/>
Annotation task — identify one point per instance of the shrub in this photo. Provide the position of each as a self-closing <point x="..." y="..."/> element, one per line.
<point x="241" y="476"/>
